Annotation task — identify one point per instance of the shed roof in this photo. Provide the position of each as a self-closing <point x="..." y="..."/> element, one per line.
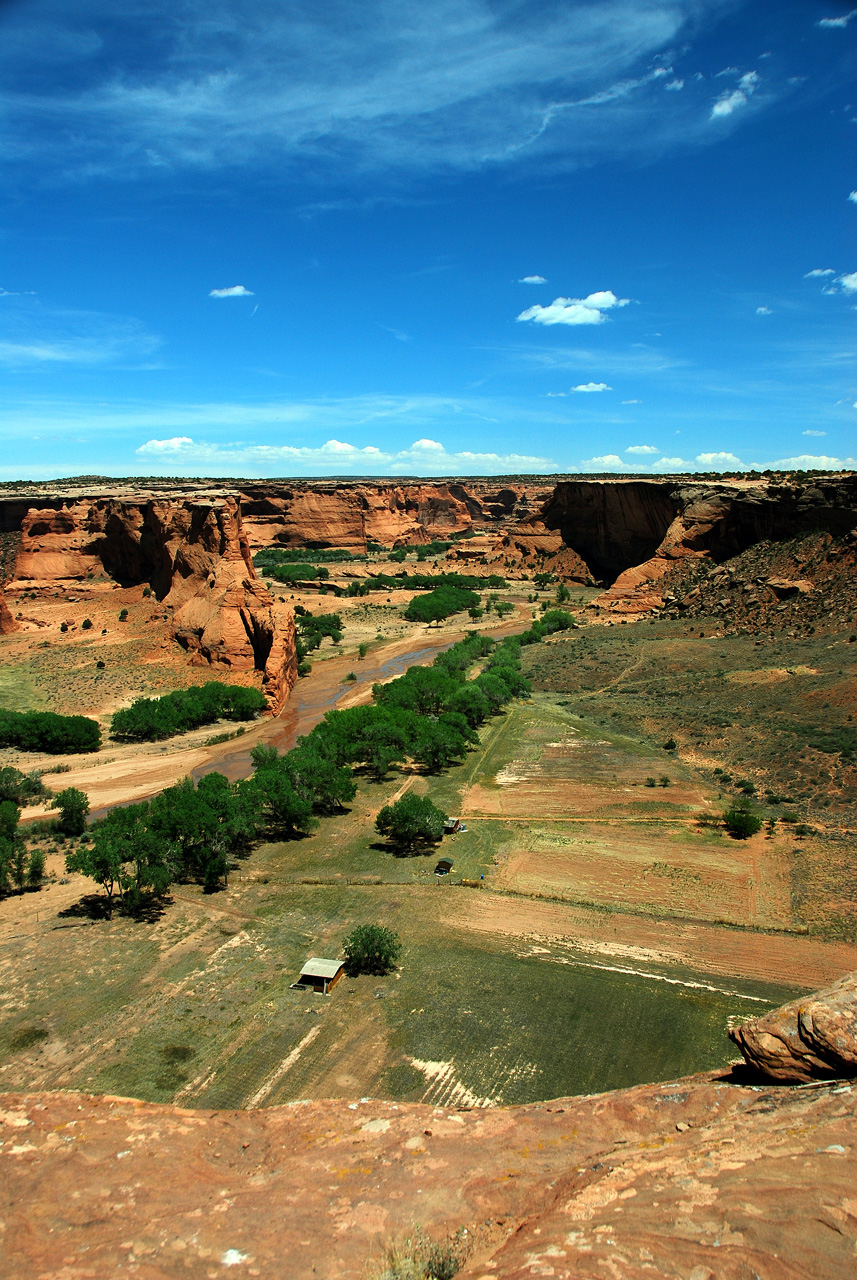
<point x="318" y="968"/>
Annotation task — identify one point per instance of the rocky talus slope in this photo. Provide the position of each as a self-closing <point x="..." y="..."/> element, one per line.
<point x="696" y="1179"/>
<point x="195" y="557"/>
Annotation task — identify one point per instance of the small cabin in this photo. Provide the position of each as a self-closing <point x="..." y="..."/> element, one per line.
<point x="451" y="826"/>
<point x="444" y="866"/>
<point x="320" y="974"/>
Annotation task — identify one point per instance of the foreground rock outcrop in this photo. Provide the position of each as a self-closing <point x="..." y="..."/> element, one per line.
<point x="697" y="1178"/>
<point x="809" y="1039"/>
<point x="195" y="556"/>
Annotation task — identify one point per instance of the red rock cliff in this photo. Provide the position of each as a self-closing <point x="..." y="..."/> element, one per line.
<point x="195" y="556"/>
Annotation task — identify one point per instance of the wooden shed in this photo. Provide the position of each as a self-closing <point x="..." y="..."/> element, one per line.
<point x="320" y="974"/>
<point x="443" y="867"/>
<point x="451" y="826"/>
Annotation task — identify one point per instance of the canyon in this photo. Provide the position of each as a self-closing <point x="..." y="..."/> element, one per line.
<point x="722" y="1174"/>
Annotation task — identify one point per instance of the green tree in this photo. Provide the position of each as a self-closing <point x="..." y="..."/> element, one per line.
<point x="73" y="805"/>
<point x="741" y="822"/>
<point x="411" y="821"/>
<point x="562" y="593"/>
<point x="371" y="948"/>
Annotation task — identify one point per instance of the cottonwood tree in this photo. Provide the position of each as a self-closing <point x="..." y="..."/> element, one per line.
<point x="371" y="948"/>
<point x="411" y="821"/>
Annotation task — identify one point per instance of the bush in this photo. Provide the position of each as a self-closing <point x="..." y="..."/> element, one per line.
<point x="86" y="625"/>
<point x="371" y="948"/>
<point x="123" y="615"/>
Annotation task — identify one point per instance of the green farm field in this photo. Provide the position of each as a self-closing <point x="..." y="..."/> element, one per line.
<point x="607" y="944"/>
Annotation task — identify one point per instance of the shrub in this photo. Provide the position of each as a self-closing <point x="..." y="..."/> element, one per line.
<point x="123" y="615"/>
<point x="670" y="744"/>
<point x="86" y="625"/>
<point x="651" y="782"/>
<point x="371" y="948"/>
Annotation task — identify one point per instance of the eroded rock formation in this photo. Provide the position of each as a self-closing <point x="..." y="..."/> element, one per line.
<point x="195" y="556"/>
<point x="7" y="622"/>
<point x="808" y="1039"/>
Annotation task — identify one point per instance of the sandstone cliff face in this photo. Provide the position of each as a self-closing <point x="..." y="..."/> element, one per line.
<point x="348" y="515"/>
<point x="631" y="533"/>
<point x="196" y="557"/>
<point x="7" y="622"/>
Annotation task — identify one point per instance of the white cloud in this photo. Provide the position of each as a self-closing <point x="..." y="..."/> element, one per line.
<point x="672" y="464"/>
<point x="674" y="85"/>
<point x="334" y="457"/>
<point x="849" y="282"/>
<point x="852" y="196"/>
<point x="173" y="445"/>
<point x="632" y="402"/>
<point x="607" y="460"/>
<point x="829" y="23"/>
<point x="592" y="386"/>
<point x="764" y="311"/>
<point x="233" y="291"/>
<point x="532" y="280"/>
<point x="641" y="448"/>
<point x="814" y="433"/>
<point x="813" y="462"/>
<point x="589" y="310"/>
<point x="818" y="272"/>
<point x="719" y="461"/>
<point x="731" y="100"/>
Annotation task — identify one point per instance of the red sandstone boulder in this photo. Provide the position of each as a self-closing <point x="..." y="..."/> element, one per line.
<point x="811" y="1038"/>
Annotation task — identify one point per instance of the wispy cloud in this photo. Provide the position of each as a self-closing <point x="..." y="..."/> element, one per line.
<point x="642" y="448"/>
<point x="532" y="280"/>
<point x="764" y="311"/>
<point x="810" y="432"/>
<point x="852" y="196"/>
<point x="31" y="334"/>
<point x="574" y="311"/>
<point x="456" y="85"/>
<point x="232" y="291"/>
<point x="818" y="272"/>
<point x="833" y="23"/>
<point x="848" y="282"/>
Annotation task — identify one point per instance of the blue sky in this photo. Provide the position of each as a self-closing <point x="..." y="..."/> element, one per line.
<point x="465" y="237"/>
